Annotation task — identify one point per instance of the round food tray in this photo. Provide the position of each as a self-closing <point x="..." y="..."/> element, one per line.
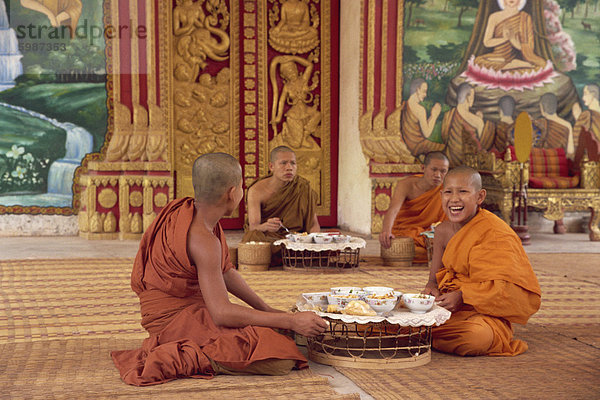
<point x="313" y="257"/>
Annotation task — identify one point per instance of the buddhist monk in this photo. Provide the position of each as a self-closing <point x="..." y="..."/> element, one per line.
<point x="414" y="124"/>
<point x="555" y="132"/>
<point x="416" y="205"/>
<point x="506" y="124"/>
<point x="480" y="273"/>
<point x="586" y="132"/>
<point x="280" y="200"/>
<point x="464" y="131"/>
<point x="182" y="275"/>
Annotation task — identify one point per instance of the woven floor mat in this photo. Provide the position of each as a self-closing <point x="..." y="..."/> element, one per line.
<point x="76" y="368"/>
<point x="92" y="298"/>
<point x="554" y="367"/>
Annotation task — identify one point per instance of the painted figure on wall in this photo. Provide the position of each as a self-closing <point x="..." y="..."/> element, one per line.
<point x="59" y="12"/>
<point x="302" y="119"/>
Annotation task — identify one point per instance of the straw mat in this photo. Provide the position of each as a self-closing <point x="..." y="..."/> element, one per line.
<point x="60" y="318"/>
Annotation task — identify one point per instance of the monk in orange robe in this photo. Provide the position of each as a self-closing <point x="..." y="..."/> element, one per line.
<point x="182" y="275"/>
<point x="414" y="124"/>
<point x="416" y="205"/>
<point x="464" y="131"/>
<point x="480" y="273"/>
<point x="281" y="199"/>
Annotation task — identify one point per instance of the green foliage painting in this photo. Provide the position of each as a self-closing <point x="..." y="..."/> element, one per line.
<point x="52" y="99"/>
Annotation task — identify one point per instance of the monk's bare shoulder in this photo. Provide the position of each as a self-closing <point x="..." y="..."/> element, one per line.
<point x="202" y="245"/>
<point x="444" y="232"/>
<point x="260" y="190"/>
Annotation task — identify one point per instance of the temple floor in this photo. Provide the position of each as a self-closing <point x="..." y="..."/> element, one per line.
<point x="66" y="302"/>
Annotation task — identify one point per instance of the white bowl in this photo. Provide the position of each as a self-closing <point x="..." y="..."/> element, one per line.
<point x="341" y="238"/>
<point x="418" y="303"/>
<point x="316" y="299"/>
<point x="304" y="238"/>
<point x="322" y="238"/>
<point x="378" y="290"/>
<point x="346" y="290"/>
<point x="382" y="306"/>
<point x="292" y="237"/>
<point x="342" y="299"/>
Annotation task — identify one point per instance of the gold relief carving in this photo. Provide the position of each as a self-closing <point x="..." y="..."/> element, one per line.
<point x="377" y="168"/>
<point x="250" y="158"/>
<point x="107" y="198"/>
<point x="249" y="19"/>
<point x="250" y="121"/>
<point x="249" y="181"/>
<point x="110" y="222"/>
<point x="249" y="58"/>
<point x="160" y="200"/>
<point x="129" y="166"/>
<point x="590" y="174"/>
<point x="295" y="29"/>
<point x="250" y="45"/>
<point x="250" y="108"/>
<point x="382" y="202"/>
<point x="124" y="222"/>
<point x="309" y="167"/>
<point x="147" y="219"/>
<point x="249" y="33"/>
<point x="96" y="222"/>
<point x="136" y="199"/>
<point x="198" y="36"/>
<point x="554" y="211"/>
<point x="250" y="84"/>
<point x="302" y="119"/>
<point x="382" y="144"/>
<point x="249" y="171"/>
<point x="82" y="221"/>
<point x="136" y="223"/>
<point x="377" y="223"/>
<point x="250" y="71"/>
<point x="250" y="146"/>
<point x="250" y="133"/>
<point x="249" y="6"/>
<point x="250" y="96"/>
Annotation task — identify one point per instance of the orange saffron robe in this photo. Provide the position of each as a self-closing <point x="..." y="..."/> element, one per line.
<point x="182" y="335"/>
<point x="486" y="261"/>
<point x="416" y="216"/>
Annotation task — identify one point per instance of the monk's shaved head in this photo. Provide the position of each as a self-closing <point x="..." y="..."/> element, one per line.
<point x="416" y="84"/>
<point x="213" y="174"/>
<point x="507" y="105"/>
<point x="434" y="155"/>
<point x="549" y="103"/>
<point x="279" y="149"/>
<point x="475" y="178"/>
<point x="462" y="92"/>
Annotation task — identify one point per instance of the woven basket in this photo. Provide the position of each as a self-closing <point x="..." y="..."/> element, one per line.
<point x="233" y="255"/>
<point x="401" y="252"/>
<point x="254" y="256"/>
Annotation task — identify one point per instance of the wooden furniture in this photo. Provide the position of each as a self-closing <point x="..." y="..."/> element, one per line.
<point x="500" y="176"/>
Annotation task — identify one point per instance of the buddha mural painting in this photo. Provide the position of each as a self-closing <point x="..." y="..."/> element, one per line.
<point x="66" y="12"/>
<point x="510" y="60"/>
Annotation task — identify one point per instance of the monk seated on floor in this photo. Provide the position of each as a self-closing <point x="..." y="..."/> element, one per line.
<point x="480" y="273"/>
<point x="416" y="205"/>
<point x="281" y="199"/>
<point x="182" y="275"/>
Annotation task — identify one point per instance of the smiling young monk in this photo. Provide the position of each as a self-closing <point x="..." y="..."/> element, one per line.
<point x="416" y="205"/>
<point x="182" y="275"/>
<point x="480" y="273"/>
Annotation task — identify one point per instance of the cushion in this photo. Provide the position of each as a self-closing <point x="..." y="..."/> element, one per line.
<point x="549" y="169"/>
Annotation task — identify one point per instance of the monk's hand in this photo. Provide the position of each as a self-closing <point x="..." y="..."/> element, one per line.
<point x="436" y="109"/>
<point x="308" y="324"/>
<point x="385" y="239"/>
<point x="451" y="301"/>
<point x="272" y="224"/>
<point x="431" y="288"/>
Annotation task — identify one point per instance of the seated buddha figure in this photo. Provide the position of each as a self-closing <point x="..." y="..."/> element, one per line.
<point x="509" y="33"/>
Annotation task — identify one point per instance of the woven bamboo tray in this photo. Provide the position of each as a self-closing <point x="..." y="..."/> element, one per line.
<point x="254" y="256"/>
<point x="378" y="345"/>
<point x="345" y="260"/>
<point x="401" y="252"/>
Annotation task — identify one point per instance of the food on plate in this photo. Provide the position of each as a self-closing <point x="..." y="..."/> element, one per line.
<point x="333" y="308"/>
<point x="359" y="307"/>
<point x="385" y="296"/>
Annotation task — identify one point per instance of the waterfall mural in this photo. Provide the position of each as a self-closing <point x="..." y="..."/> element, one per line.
<point x="52" y="102"/>
<point x="10" y="56"/>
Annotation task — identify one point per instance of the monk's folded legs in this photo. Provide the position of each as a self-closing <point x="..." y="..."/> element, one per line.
<point x="465" y="334"/>
<point x="271" y="366"/>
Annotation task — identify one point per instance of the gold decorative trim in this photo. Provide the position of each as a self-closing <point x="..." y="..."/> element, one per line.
<point x="129" y="166"/>
<point x="371" y="56"/>
<point x="399" y="53"/>
<point x="107" y="198"/>
<point x="383" y="56"/>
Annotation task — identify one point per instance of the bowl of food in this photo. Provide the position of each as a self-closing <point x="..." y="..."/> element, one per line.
<point x="291" y="237"/>
<point x="341" y="300"/>
<point x="382" y="304"/>
<point x="316" y="299"/>
<point x="322" y="238"/>
<point x="346" y="290"/>
<point x="378" y="290"/>
<point x="341" y="238"/>
<point x="418" y="303"/>
<point x="304" y="237"/>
